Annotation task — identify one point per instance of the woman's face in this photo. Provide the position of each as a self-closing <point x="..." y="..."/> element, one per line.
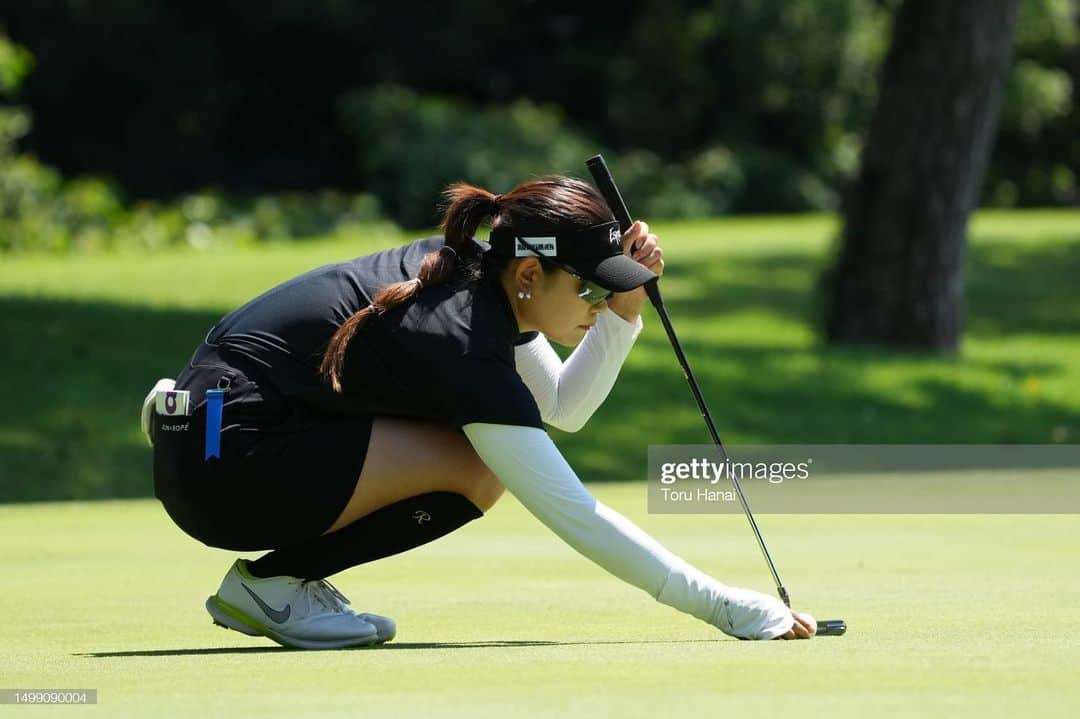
<point x="555" y="307"/>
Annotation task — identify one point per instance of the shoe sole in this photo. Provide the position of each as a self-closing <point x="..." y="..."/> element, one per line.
<point x="227" y="616"/>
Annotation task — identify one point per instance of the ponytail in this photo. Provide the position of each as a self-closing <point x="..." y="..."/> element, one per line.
<point x="554" y="200"/>
<point x="466" y="207"/>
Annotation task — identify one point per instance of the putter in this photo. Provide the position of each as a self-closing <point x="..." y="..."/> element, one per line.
<point x="606" y="184"/>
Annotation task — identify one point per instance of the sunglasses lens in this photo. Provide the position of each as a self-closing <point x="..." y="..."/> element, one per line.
<point x="594" y="293"/>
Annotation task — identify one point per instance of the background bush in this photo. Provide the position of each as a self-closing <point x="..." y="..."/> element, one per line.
<point x="707" y="106"/>
<point x="41" y="211"/>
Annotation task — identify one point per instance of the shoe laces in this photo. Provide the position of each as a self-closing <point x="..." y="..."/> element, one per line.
<point x="326" y="594"/>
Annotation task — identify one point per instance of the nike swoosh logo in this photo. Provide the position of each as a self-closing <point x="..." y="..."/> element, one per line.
<point x="277" y="615"/>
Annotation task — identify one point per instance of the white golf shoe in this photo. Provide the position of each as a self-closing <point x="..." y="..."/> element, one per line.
<point x="293" y="612"/>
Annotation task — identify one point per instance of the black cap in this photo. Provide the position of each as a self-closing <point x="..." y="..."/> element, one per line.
<point x="595" y="253"/>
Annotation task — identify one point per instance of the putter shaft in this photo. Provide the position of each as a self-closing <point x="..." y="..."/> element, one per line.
<point x="606" y="184"/>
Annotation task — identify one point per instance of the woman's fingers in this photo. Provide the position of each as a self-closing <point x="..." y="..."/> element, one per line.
<point x="807" y="621"/>
<point x="804" y="627"/>
<point x="635" y="237"/>
<point x="644" y="247"/>
<point x="651" y="259"/>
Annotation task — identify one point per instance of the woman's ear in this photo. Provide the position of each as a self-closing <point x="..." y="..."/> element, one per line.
<point x="528" y="272"/>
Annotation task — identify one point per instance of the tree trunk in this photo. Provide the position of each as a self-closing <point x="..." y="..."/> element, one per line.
<point x="899" y="277"/>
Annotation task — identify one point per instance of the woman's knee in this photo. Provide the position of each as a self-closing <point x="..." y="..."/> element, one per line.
<point x="406" y="458"/>
<point x="485" y="491"/>
<point x="474" y="480"/>
<point x="466" y="474"/>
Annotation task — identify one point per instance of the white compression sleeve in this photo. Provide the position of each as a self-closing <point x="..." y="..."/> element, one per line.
<point x="568" y="393"/>
<point x="529" y="464"/>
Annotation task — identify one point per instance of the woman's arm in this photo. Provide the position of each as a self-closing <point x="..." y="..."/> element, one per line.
<point x="568" y="393"/>
<point x="529" y="464"/>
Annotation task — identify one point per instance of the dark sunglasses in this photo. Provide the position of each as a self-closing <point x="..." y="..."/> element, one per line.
<point x="589" y="291"/>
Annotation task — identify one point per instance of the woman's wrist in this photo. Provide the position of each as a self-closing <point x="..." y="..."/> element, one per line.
<point x="628" y="304"/>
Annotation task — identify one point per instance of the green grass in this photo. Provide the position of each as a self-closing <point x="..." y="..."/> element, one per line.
<point x="85" y="337"/>
<point x="951" y="616"/>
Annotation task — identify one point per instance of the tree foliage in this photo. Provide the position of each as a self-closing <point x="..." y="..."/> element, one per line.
<point x="749" y="105"/>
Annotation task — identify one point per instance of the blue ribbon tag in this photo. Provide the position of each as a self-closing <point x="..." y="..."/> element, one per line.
<point x="215" y="398"/>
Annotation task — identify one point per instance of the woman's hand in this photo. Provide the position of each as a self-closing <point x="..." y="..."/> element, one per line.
<point x="640" y="245"/>
<point x="805" y="626"/>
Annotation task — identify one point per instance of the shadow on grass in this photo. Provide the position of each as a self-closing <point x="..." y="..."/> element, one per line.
<point x="495" y="644"/>
<point x="72" y="383"/>
<point x="74" y="375"/>
<point x="1015" y="288"/>
<point x="1012" y="287"/>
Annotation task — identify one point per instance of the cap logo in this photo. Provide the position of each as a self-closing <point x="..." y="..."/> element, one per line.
<point x="544" y="245"/>
<point x="615" y="238"/>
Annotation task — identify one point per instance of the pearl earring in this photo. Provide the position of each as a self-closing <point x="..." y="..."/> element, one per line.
<point x="524" y="295"/>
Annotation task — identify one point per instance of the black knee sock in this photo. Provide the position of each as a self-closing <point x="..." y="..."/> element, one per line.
<point x="388" y="530"/>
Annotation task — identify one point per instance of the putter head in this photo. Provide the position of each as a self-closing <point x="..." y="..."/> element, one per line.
<point x="831" y="627"/>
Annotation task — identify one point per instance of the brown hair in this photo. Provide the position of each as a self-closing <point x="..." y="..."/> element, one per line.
<point x="561" y="202"/>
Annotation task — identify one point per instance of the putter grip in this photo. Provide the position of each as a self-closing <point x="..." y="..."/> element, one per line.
<point x="606" y="184"/>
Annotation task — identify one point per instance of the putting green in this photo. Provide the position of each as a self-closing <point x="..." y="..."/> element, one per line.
<point x="948" y="615"/>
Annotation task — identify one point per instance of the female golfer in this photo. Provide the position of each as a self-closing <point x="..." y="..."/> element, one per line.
<point x="368" y="407"/>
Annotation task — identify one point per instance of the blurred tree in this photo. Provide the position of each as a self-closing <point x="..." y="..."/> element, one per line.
<point x="743" y="105"/>
<point x="245" y="95"/>
<point x="899" y="275"/>
<point x="1036" y="159"/>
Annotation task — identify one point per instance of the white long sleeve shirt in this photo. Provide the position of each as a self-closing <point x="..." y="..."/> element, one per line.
<point x="531" y="467"/>
<point x="568" y="393"/>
